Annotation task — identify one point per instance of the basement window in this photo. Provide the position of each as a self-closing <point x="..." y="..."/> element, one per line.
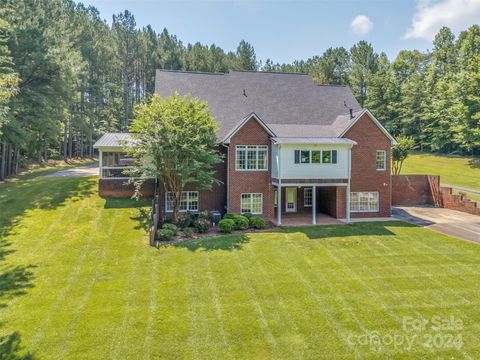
<point x="364" y="201"/>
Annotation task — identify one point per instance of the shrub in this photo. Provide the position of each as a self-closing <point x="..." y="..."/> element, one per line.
<point x="241" y="222"/>
<point x="186" y="220"/>
<point x="172" y="227"/>
<point x="257" y="222"/>
<point x="205" y="215"/>
<point x="202" y="225"/>
<point x="248" y="215"/>
<point x="187" y="232"/>
<point x="229" y="216"/>
<point x="226" y="226"/>
<point x="165" y="234"/>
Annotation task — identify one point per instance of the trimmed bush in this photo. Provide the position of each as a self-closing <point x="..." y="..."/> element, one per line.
<point x="202" y="225"/>
<point x="172" y="227"/>
<point x="187" y="232"/>
<point x="257" y="222"/>
<point x="165" y="234"/>
<point x="186" y="220"/>
<point x="205" y="215"/>
<point x="241" y="222"/>
<point x="226" y="225"/>
<point x="229" y="216"/>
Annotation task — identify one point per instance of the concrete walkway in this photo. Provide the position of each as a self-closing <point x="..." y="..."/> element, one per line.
<point x="450" y="222"/>
<point x="90" y="170"/>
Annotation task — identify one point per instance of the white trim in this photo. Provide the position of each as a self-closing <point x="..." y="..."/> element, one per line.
<point x="384" y="160"/>
<point x="294" y="209"/>
<point x="311" y="196"/>
<point x="308" y="184"/>
<point x="279" y="204"/>
<point x="368" y="211"/>
<point x="354" y="121"/>
<point x="251" y="203"/>
<point x="314" y="205"/>
<point x="185" y="191"/>
<point x="252" y="115"/>
<point x="347" y="197"/>
<point x="246" y="157"/>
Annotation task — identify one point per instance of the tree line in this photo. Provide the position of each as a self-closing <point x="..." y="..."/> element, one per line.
<point x="67" y="76"/>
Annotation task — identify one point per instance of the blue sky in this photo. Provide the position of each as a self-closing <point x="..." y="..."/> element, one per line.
<point x="287" y="30"/>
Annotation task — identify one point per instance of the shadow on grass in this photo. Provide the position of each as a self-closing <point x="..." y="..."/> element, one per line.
<point x="142" y="219"/>
<point x="374" y="228"/>
<point x="474" y="163"/>
<point x="125" y="203"/>
<point x="226" y="242"/>
<point x="10" y="347"/>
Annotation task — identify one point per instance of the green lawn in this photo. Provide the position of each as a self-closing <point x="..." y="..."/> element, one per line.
<point x="79" y="281"/>
<point x="453" y="170"/>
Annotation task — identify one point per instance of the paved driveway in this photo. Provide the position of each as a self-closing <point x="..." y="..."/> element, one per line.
<point x="90" y="170"/>
<point x="450" y="222"/>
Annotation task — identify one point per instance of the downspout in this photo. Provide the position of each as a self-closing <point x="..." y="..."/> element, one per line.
<point x="279" y="187"/>
<point x="347" y="212"/>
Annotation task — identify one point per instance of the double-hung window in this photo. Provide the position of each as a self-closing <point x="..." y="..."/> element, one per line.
<point x="381" y="160"/>
<point x="251" y="203"/>
<point x="251" y="157"/>
<point x="307" y="197"/>
<point x="188" y="201"/>
<point x="364" y="201"/>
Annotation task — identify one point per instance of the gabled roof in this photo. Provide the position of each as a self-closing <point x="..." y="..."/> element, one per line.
<point x="374" y="119"/>
<point x="254" y="116"/>
<point x="288" y="104"/>
<point x="112" y="140"/>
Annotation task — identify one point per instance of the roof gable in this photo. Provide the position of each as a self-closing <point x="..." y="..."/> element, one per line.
<point x="246" y="119"/>
<point x="375" y="121"/>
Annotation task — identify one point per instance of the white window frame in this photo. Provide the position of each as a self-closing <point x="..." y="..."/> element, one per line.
<point x="384" y="165"/>
<point x="188" y="199"/>
<point x="251" y="203"/>
<point x="355" y="202"/>
<point x="245" y="149"/>
<point x="310" y="157"/>
<point x="305" y="197"/>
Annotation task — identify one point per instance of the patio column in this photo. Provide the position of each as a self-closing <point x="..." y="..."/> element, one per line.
<point x="314" y="205"/>
<point x="279" y="204"/>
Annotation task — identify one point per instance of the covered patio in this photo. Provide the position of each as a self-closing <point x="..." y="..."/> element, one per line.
<point x="304" y="218"/>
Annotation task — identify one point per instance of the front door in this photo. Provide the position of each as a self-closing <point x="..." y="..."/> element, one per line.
<point x="291" y="200"/>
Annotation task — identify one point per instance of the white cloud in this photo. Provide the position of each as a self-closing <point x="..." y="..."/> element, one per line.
<point x="362" y="24"/>
<point x="431" y="16"/>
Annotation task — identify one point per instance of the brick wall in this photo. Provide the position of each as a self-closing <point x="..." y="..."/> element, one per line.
<point x="413" y="189"/>
<point x="214" y="199"/>
<point x="119" y="188"/>
<point x="252" y="133"/>
<point x="459" y="202"/>
<point x="365" y="177"/>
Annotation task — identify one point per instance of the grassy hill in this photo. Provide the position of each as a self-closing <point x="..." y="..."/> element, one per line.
<point x="453" y="170"/>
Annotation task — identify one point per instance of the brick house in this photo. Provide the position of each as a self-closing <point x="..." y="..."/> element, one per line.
<point x="290" y="147"/>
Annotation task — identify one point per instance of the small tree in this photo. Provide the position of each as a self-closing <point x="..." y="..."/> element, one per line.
<point x="175" y="141"/>
<point x="400" y="152"/>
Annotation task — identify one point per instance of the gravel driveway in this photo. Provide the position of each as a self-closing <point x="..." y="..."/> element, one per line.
<point x="90" y="170"/>
<point x="450" y="222"/>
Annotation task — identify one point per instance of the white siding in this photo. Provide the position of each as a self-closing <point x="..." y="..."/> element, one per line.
<point x="290" y="170"/>
<point x="274" y="161"/>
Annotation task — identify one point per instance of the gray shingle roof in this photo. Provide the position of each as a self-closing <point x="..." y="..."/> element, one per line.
<point x="114" y="140"/>
<point x="292" y="105"/>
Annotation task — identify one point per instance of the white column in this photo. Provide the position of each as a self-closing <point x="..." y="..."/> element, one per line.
<point x="314" y="205"/>
<point x="100" y="164"/>
<point x="279" y="204"/>
<point x="348" y="203"/>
